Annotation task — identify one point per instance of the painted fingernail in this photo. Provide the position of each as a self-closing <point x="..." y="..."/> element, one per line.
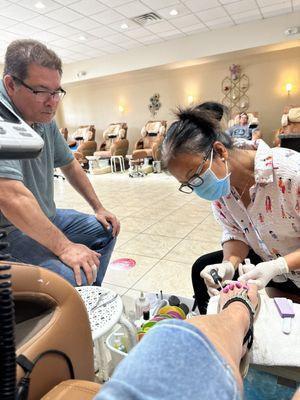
<point x="226" y="289"/>
<point x="238" y="285"/>
<point x="231" y="286"/>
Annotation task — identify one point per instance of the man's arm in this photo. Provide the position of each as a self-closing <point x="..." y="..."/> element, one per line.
<point x="78" y="179"/>
<point x="20" y="207"/>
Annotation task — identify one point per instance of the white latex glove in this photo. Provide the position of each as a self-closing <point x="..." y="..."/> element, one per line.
<point x="264" y="272"/>
<point x="225" y="270"/>
<point x="244" y="268"/>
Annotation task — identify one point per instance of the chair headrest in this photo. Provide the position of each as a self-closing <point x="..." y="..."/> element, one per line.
<point x="118" y="129"/>
<point x="154" y="128"/>
<point x="294" y="114"/>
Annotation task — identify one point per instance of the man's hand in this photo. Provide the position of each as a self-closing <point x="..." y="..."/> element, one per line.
<point x="106" y="218"/>
<point x="225" y="270"/>
<point x="78" y="256"/>
<point x="264" y="272"/>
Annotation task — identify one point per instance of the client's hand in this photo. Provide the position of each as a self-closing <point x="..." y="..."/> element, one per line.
<point x="225" y="270"/>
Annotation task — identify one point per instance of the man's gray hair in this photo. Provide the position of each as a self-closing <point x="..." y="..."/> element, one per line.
<point x="21" y="53"/>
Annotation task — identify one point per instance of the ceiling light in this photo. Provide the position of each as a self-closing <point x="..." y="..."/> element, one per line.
<point x="82" y="38"/>
<point x="40" y="5"/>
<point x="124" y="26"/>
<point x="80" y="74"/>
<point x="173" y="12"/>
<point x="292" y="30"/>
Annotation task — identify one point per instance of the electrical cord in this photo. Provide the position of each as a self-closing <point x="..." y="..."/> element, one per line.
<point x="7" y="323"/>
<point x="27" y="365"/>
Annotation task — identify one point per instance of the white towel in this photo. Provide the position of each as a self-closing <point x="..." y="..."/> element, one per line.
<point x="271" y="346"/>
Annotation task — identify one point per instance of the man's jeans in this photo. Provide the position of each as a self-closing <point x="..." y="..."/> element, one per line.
<point x="79" y="228"/>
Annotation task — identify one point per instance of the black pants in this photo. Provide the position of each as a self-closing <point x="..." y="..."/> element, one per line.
<point x="200" y="289"/>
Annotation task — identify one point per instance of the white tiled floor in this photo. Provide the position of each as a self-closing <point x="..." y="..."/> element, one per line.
<point x="163" y="230"/>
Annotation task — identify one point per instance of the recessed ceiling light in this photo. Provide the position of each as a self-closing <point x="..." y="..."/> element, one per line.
<point x="292" y="30"/>
<point x="124" y="26"/>
<point x="173" y="12"/>
<point x="40" y="5"/>
<point x="81" y="37"/>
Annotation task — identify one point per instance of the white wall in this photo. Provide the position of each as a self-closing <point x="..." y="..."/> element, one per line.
<point x="97" y="102"/>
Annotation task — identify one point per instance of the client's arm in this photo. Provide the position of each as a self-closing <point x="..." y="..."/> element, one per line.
<point x="186" y="360"/>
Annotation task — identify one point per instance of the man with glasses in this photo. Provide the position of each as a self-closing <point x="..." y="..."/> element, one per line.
<point x="75" y="245"/>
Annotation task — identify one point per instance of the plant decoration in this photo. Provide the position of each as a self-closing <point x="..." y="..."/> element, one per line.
<point x="235" y="71"/>
<point x="155" y="104"/>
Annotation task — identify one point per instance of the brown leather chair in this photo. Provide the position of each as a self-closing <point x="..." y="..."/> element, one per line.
<point x="115" y="141"/>
<point x="85" y="139"/>
<point x="290" y="120"/>
<point x="289" y="133"/>
<point x="153" y="133"/>
<point x="65" y="133"/>
<point x="51" y="315"/>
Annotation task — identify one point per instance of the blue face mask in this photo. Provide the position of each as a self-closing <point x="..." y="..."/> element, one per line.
<point x="213" y="188"/>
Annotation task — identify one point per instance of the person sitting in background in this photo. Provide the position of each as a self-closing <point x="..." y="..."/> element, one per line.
<point x="75" y="245"/>
<point x="243" y="130"/>
<point x="255" y="196"/>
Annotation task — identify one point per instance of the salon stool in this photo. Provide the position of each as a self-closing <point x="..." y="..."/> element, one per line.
<point x="105" y="310"/>
<point x="113" y="164"/>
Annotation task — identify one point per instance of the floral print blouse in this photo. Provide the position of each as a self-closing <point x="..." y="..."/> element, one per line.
<point x="270" y="224"/>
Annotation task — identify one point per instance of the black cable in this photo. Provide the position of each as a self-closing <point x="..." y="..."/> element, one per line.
<point x="7" y="324"/>
<point x="27" y="365"/>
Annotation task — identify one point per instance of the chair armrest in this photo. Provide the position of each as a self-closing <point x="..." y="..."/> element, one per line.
<point x="139" y="144"/>
<point x="63" y="331"/>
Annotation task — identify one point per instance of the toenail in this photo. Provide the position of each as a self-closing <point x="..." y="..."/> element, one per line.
<point x="231" y="286"/>
<point x="226" y="289"/>
<point x="238" y="285"/>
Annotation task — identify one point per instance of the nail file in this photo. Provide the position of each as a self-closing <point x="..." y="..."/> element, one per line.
<point x="286" y="311"/>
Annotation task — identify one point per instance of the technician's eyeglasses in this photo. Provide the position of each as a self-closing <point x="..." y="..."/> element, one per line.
<point x="195" y="180"/>
<point x="43" y="95"/>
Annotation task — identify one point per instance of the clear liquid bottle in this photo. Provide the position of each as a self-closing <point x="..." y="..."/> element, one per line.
<point x="142" y="305"/>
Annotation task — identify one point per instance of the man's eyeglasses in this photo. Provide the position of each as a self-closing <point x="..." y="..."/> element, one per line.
<point x="43" y="95"/>
<point x="195" y="180"/>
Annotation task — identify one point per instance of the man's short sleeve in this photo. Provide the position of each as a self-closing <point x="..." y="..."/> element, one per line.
<point x="62" y="153"/>
<point x="11" y="169"/>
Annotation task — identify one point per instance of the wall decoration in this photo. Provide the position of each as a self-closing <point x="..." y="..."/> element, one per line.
<point x="234" y="88"/>
<point x="155" y="104"/>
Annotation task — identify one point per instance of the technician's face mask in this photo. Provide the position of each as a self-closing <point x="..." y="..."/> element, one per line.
<point x="212" y="188"/>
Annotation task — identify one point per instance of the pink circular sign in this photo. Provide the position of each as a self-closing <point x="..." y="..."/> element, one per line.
<point x="122" y="264"/>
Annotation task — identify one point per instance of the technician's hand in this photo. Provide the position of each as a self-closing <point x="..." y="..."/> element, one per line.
<point x="78" y="256"/>
<point x="225" y="270"/>
<point x="264" y="272"/>
<point x="107" y="218"/>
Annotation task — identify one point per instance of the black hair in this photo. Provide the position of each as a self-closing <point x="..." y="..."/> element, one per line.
<point x="218" y="109"/>
<point x="194" y="132"/>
